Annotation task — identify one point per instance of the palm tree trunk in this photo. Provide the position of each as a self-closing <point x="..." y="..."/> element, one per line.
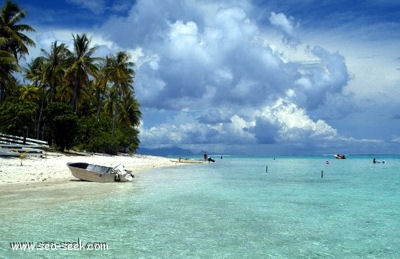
<point x="74" y="97"/>
<point x="115" y="120"/>
<point x="98" y="106"/>
<point x="40" y="117"/>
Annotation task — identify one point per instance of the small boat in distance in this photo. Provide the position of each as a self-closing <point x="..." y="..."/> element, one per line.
<point x="187" y="161"/>
<point x="375" y="161"/>
<point x="340" y="156"/>
<point x="100" y="173"/>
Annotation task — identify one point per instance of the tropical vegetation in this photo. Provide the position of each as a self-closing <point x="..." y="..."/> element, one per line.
<point x="67" y="96"/>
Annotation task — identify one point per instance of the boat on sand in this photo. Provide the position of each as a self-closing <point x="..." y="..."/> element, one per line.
<point x="100" y="173"/>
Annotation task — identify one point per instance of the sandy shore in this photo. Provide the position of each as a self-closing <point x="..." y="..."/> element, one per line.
<point x="52" y="170"/>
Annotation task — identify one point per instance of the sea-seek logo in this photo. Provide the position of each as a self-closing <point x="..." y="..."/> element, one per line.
<point x="53" y="246"/>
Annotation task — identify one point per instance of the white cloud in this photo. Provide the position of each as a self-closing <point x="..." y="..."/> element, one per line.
<point x="281" y="21"/>
<point x="236" y="81"/>
<point x="215" y="60"/>
<point x="292" y="124"/>
<point x="396" y="139"/>
<point x="286" y="25"/>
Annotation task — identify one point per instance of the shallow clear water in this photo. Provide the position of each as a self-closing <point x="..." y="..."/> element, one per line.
<point x="234" y="208"/>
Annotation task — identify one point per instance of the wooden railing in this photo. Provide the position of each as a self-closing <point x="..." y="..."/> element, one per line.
<point x="11" y="140"/>
<point x="11" y="145"/>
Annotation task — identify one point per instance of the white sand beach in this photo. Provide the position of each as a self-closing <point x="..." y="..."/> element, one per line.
<point x="52" y="170"/>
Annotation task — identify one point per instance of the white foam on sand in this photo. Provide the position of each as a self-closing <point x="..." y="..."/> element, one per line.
<point x="52" y="170"/>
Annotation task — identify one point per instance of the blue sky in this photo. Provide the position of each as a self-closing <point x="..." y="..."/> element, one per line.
<point x="248" y="77"/>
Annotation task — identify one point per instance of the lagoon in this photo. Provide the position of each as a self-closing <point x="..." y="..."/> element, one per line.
<point x="251" y="207"/>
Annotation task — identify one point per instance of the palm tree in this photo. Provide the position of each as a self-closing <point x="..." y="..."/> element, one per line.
<point x="29" y="93"/>
<point x="121" y="76"/>
<point x="34" y="73"/>
<point x="54" y="70"/>
<point x="100" y="86"/>
<point x="13" y="44"/>
<point x="8" y="65"/>
<point x="81" y="64"/>
<point x="130" y="114"/>
<point x="12" y="31"/>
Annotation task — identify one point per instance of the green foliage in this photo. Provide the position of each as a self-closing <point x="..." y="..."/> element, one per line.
<point x="62" y="125"/>
<point x="13" y="45"/>
<point x="128" y="138"/>
<point x="95" y="135"/>
<point x="17" y="116"/>
<point x="103" y="142"/>
<point x="71" y="97"/>
<point x="65" y="127"/>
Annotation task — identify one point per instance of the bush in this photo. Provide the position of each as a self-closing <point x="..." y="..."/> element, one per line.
<point x="94" y="136"/>
<point x="62" y="125"/>
<point x="17" y="117"/>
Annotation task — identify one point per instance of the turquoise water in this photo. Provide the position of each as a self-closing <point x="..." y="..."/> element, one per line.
<point x="234" y="208"/>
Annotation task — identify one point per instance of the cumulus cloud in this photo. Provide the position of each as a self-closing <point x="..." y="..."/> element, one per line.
<point x="221" y="78"/>
<point x="207" y="57"/>
<point x="280" y="20"/>
<point x="217" y="59"/>
<point x="326" y="76"/>
<point x="285" y="25"/>
<point x="286" y="122"/>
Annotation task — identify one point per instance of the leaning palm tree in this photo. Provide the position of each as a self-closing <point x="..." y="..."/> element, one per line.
<point x="80" y="66"/>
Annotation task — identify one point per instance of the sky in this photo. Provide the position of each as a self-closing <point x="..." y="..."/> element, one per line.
<point x="248" y="77"/>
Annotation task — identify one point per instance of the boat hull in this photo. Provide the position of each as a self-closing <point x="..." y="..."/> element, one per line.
<point x="95" y="173"/>
<point x="339" y="156"/>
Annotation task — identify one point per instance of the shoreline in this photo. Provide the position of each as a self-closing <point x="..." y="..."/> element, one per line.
<point x="52" y="170"/>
